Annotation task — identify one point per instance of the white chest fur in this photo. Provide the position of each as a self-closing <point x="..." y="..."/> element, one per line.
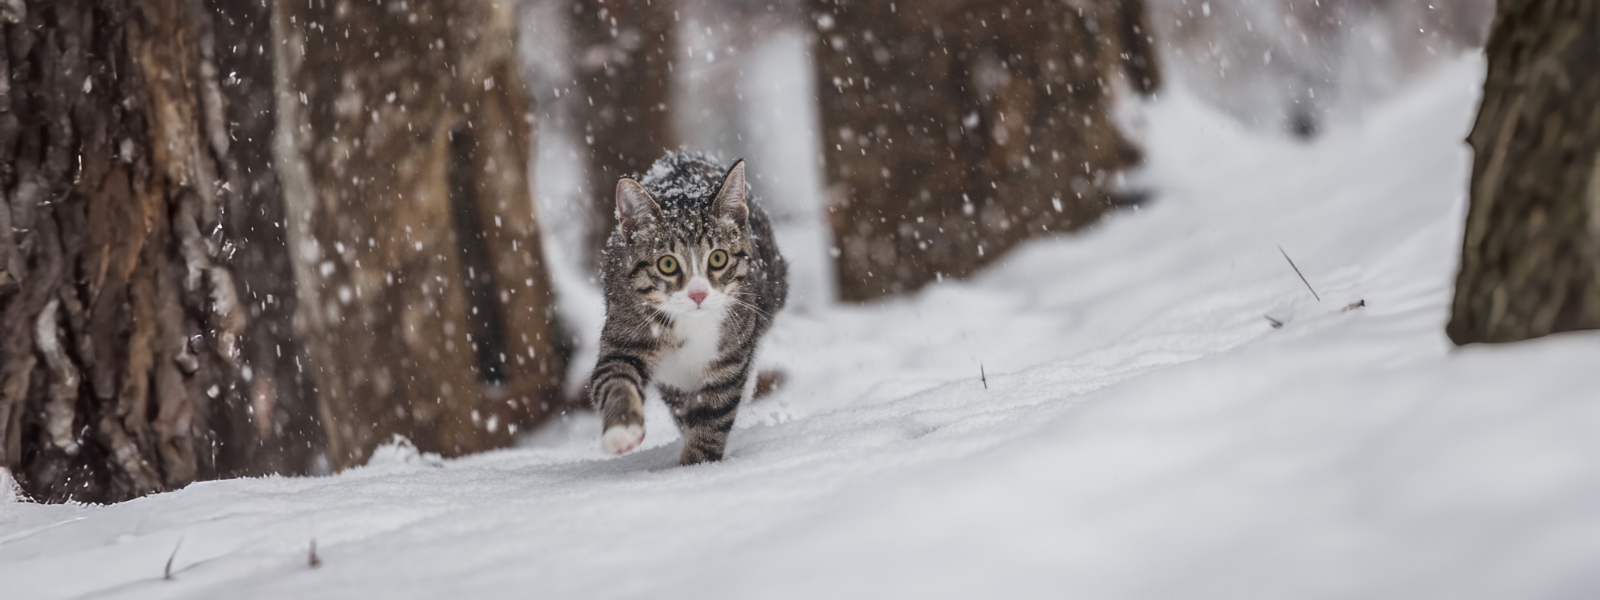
<point x="683" y="367"/>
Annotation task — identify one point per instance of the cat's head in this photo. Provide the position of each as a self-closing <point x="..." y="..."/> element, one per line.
<point x="687" y="255"/>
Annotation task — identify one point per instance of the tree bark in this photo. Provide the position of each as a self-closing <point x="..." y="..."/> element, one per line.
<point x="121" y="326"/>
<point x="624" y="62"/>
<point x="1530" y="260"/>
<point x="274" y="387"/>
<point x="953" y="130"/>
<point x="403" y="141"/>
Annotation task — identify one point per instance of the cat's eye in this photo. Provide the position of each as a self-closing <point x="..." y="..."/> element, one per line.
<point x="668" y="265"/>
<point x="719" y="259"/>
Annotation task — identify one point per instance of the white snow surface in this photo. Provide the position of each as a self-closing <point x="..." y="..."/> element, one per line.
<point x="1144" y="433"/>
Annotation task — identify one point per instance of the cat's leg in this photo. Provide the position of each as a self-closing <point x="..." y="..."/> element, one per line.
<point x="676" y="401"/>
<point x="617" y="391"/>
<point x="706" y="416"/>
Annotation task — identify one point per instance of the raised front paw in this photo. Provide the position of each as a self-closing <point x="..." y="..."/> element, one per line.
<point x="619" y="439"/>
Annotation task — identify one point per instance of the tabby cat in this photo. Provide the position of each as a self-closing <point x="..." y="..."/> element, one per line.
<point x="692" y="280"/>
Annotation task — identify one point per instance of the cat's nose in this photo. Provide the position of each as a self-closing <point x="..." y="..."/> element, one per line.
<point x="698" y="289"/>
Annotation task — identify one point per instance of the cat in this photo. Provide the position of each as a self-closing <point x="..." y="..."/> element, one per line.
<point x="692" y="279"/>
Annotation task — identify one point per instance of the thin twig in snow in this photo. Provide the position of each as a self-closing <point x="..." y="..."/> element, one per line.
<point x="166" y="574"/>
<point x="983" y="376"/>
<point x="1297" y="272"/>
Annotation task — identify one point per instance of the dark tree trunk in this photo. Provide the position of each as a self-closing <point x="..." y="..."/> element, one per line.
<point x="1135" y="47"/>
<point x="624" y="51"/>
<point x="273" y="386"/>
<point x="953" y="130"/>
<point x="1530" y="262"/>
<point x="403" y="141"/>
<point x="121" y="327"/>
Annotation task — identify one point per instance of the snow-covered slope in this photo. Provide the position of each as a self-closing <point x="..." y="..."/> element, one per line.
<point x="1142" y="430"/>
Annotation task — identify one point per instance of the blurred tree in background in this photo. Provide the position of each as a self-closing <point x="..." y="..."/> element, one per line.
<point x="1530" y="261"/>
<point x="954" y="130"/>
<point x="623" y="50"/>
<point x="1294" y="65"/>
<point x="403" y="147"/>
<point x="275" y="394"/>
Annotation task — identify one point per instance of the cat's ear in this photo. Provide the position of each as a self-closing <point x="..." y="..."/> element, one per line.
<point x="635" y="207"/>
<point x="730" y="200"/>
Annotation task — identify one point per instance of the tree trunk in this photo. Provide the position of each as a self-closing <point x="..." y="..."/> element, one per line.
<point x="1530" y="262"/>
<point x="121" y="327"/>
<point x="624" y="55"/>
<point x="954" y="130"/>
<point x="403" y="141"/>
<point x="274" y="385"/>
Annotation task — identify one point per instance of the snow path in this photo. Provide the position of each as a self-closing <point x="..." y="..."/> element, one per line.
<point x="1145" y="433"/>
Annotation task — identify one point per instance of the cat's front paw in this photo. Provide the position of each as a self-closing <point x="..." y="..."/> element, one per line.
<point x="619" y="439"/>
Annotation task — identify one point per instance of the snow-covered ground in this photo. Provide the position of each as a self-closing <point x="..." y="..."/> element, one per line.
<point x="1143" y="431"/>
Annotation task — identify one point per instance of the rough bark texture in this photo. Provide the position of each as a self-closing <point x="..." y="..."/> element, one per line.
<point x="274" y="388"/>
<point x="952" y="130"/>
<point x="403" y="140"/>
<point x="1530" y="262"/>
<point x="624" y="53"/>
<point x="120" y="327"/>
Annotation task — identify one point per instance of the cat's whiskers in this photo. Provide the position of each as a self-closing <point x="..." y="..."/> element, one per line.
<point x="750" y="306"/>
<point x="640" y="327"/>
<point x="732" y="298"/>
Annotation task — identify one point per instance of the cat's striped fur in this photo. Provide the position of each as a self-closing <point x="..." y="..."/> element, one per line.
<point x="692" y="329"/>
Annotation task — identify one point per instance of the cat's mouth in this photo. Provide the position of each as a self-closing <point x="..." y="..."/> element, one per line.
<point x="683" y="306"/>
<point x="706" y="308"/>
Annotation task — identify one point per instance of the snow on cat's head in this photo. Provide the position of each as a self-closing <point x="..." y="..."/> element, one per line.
<point x="685" y="240"/>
